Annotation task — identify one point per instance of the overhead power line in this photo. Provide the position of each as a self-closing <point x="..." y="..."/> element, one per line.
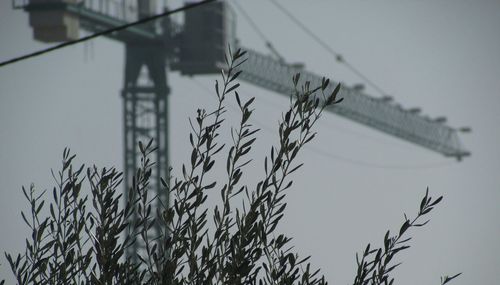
<point x="338" y="57"/>
<point x="105" y="32"/>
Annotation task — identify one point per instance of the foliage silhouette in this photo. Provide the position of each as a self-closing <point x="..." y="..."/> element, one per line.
<point x="83" y="239"/>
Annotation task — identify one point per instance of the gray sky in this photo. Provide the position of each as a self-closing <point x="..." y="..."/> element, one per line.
<point x="440" y="55"/>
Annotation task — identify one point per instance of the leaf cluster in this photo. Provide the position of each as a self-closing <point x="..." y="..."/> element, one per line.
<point x="90" y="239"/>
<point x="374" y="265"/>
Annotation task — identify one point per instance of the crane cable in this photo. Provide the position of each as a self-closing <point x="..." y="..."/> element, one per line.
<point x="106" y="32"/>
<point x="259" y="32"/>
<point x="338" y="57"/>
<point x="268" y="43"/>
<point x="340" y="158"/>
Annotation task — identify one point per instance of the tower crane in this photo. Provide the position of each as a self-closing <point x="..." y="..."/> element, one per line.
<point x="198" y="47"/>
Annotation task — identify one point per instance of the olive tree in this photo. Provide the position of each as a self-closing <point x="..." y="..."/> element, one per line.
<point x="82" y="239"/>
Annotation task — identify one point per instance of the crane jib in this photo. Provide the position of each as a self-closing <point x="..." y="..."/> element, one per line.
<point x="380" y="114"/>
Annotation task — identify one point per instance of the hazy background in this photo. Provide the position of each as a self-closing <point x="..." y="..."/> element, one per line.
<point x="440" y="55"/>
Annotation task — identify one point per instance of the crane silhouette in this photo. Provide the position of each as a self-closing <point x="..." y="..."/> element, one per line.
<point x="196" y="47"/>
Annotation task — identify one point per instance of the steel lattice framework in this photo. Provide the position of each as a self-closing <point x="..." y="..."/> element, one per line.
<point x="390" y="118"/>
<point x="145" y="106"/>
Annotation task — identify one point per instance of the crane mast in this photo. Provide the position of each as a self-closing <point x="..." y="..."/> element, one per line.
<point x="150" y="48"/>
<point x="145" y="105"/>
<point x="145" y="90"/>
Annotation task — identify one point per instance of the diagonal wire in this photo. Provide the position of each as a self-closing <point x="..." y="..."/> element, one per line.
<point x="251" y="22"/>
<point x="331" y="51"/>
<point x="105" y="32"/>
<point x="259" y="32"/>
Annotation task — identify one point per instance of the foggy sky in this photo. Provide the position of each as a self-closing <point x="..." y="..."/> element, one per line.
<point x="440" y="55"/>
